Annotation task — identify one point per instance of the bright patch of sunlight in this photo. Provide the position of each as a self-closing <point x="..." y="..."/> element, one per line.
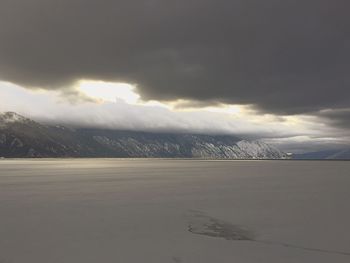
<point x="228" y="109"/>
<point x="113" y="91"/>
<point x="109" y="91"/>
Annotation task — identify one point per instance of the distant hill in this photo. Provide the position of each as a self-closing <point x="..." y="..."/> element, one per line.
<point x="23" y="137"/>
<point x="339" y="154"/>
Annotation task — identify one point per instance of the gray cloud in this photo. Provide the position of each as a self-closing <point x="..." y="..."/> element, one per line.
<point x="285" y="57"/>
<point x="336" y="117"/>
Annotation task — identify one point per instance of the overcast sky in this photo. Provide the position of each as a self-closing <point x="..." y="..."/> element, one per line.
<point x="276" y="70"/>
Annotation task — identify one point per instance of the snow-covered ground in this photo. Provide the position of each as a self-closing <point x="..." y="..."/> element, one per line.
<point x="159" y="211"/>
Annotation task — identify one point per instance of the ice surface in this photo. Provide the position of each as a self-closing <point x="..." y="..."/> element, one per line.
<point x="158" y="211"/>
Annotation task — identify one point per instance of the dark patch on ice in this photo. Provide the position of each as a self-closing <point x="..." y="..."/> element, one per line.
<point x="202" y="224"/>
<point x="177" y="259"/>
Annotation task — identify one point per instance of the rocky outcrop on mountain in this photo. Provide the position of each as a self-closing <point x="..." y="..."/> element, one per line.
<point x="22" y="137"/>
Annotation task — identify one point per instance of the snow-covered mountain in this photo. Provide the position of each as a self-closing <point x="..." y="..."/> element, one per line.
<point x="11" y="117"/>
<point x="22" y="137"/>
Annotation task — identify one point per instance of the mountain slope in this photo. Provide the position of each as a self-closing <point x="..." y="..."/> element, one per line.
<point x="22" y="137"/>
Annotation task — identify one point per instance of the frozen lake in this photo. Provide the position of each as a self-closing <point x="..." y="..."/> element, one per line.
<point x="159" y="211"/>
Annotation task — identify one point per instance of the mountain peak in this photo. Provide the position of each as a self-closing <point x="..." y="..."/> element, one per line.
<point x="10" y="117"/>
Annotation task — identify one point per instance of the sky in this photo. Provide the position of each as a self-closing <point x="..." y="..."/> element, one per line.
<point x="271" y="70"/>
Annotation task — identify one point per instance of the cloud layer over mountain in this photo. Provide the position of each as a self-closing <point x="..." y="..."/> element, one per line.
<point x="284" y="58"/>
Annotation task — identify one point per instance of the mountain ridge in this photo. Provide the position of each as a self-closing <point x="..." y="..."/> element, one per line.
<point x="23" y="137"/>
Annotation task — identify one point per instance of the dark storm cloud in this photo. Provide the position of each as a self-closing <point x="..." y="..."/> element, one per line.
<point x="287" y="57"/>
